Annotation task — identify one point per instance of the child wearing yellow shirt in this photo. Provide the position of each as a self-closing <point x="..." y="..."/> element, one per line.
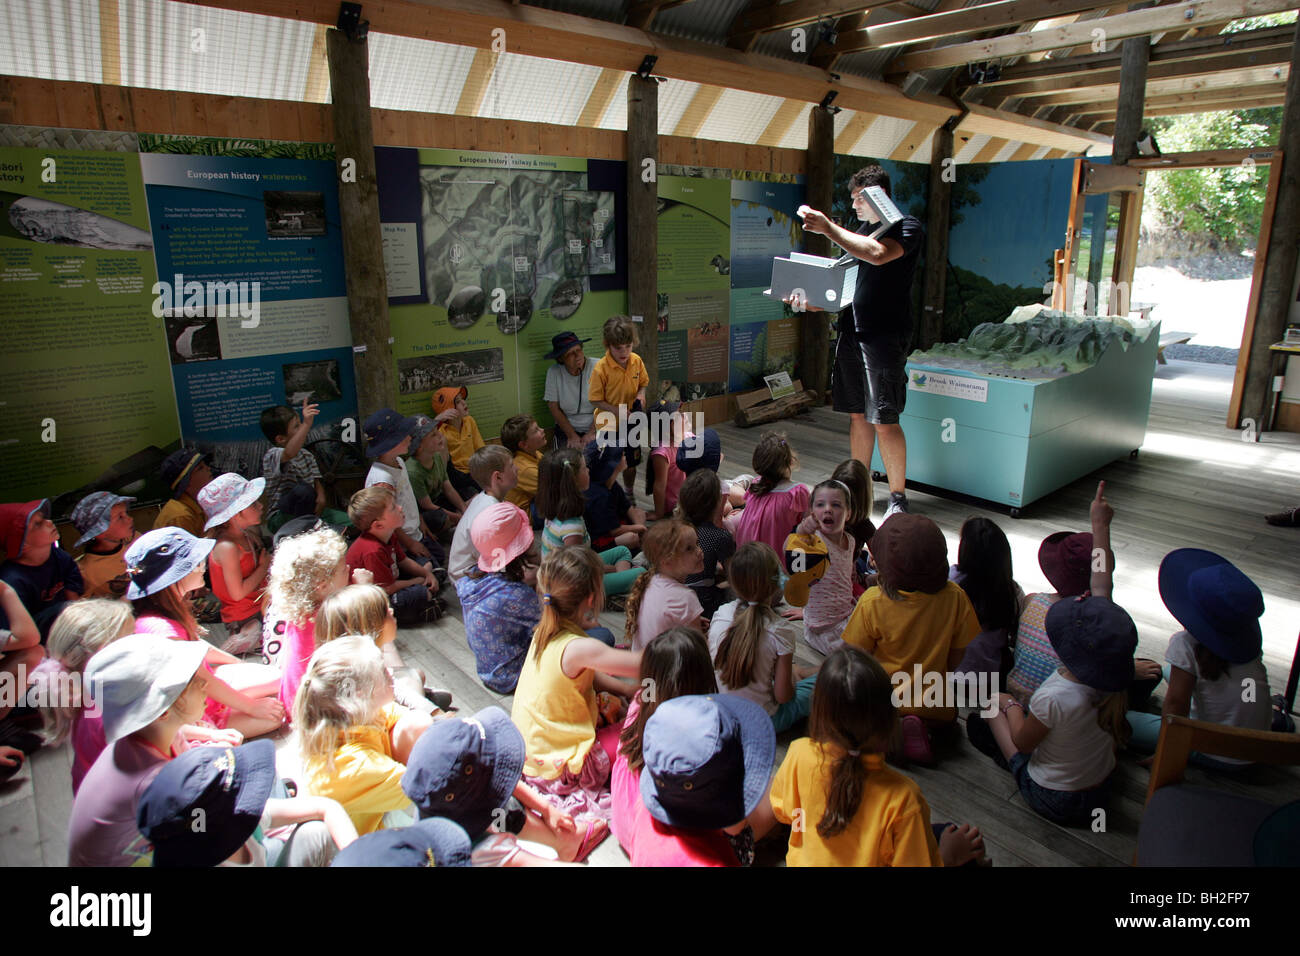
<point x="844" y="806"/>
<point x="451" y="412"/>
<point x="354" y="740"/>
<point x="618" y="384"/>
<point x="525" y="439"/>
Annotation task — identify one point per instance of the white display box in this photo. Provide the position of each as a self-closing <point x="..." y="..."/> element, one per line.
<point x="826" y="283"/>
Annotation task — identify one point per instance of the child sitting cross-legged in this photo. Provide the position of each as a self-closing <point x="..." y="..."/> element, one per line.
<point x="702" y="503"/>
<point x="555" y="705"/>
<point x="845" y="807"/>
<point x="412" y="588"/>
<point x="469" y="770"/>
<point x="165" y="566"/>
<point x="388" y="437"/>
<point x="248" y="818"/>
<point x="240" y="559"/>
<point x="707" y="765"/>
<point x="829" y="602"/>
<point x="753" y="646"/>
<point x="42" y="574"/>
<point x="611" y="519"/>
<point x="660" y="599"/>
<point x="494" y="468"/>
<point x="440" y="504"/>
<point x="107" y="530"/>
<point x="451" y="413"/>
<point x="353" y="738"/>
<point x="914" y="618"/>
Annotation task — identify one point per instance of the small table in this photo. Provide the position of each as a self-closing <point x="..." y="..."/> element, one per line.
<point x="1281" y="353"/>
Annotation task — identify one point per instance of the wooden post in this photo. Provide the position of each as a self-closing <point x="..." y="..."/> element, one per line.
<point x="363" y="247"/>
<point x="938" y="217"/>
<point x="1132" y="95"/>
<point x="814" y="362"/>
<point x="1072" y="233"/>
<point x="1280" y="265"/>
<point x="643" y="221"/>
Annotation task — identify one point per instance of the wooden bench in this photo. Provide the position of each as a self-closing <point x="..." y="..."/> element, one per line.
<point x="1171" y="338"/>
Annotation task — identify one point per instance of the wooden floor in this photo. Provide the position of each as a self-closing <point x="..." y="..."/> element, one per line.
<point x="1195" y="484"/>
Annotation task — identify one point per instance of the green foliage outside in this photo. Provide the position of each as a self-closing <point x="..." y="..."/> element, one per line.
<point x="248" y="148"/>
<point x="1224" y="203"/>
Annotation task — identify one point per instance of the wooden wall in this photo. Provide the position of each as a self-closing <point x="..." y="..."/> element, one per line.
<point x="30" y="102"/>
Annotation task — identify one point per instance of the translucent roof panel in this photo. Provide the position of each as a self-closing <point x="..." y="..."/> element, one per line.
<point x="883" y="136"/>
<point x="410" y="74"/>
<point x="51" y="39"/>
<point x="181" y="46"/>
<point x="538" y="91"/>
<point x="967" y="152"/>
<point x="740" y="117"/>
<point x="674" y="97"/>
<point x="616" y="113"/>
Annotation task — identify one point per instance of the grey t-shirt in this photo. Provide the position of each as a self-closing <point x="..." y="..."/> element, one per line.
<point x="571" y="393"/>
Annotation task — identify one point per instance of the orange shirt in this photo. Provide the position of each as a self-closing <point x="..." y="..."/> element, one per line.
<point x="615" y="385"/>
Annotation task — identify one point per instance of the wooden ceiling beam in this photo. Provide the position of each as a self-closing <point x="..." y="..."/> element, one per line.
<point x="1156" y="71"/>
<point x="1234" y="80"/>
<point x="1119" y="26"/>
<point x="751" y="22"/>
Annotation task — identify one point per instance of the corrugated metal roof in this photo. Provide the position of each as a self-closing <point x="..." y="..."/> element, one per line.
<point x="180" y="46"/>
<point x="708" y="21"/>
<point x="53" y="40"/>
<point x="410" y="74"/>
<point x="611" y="10"/>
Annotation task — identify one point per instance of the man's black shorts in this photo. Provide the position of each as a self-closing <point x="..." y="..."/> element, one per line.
<point x="869" y="379"/>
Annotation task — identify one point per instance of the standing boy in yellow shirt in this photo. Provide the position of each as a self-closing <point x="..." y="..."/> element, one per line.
<point x="618" y="385"/>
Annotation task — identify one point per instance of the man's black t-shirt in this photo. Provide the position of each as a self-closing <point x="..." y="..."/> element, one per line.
<point x="882" y="302"/>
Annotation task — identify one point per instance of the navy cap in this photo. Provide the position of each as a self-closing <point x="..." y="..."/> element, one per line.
<point x="432" y="842"/>
<point x="385" y="430"/>
<point x="700" y="451"/>
<point x="160" y="558"/>
<point x="561" y="343"/>
<point x="464" y="768"/>
<point x="203" y="805"/>
<point x="708" y="760"/>
<point x="1217" y="604"/>
<point x="1095" y="638"/>
<point x="177" y="466"/>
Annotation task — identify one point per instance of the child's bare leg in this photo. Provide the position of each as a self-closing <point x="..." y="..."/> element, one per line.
<point x="254" y="680"/>
<point x="1002" y="734"/>
<point x="629" y="539"/>
<point x="406" y="732"/>
<point x="622" y="565"/>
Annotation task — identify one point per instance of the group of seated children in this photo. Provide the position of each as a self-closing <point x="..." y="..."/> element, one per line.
<point x="664" y="734"/>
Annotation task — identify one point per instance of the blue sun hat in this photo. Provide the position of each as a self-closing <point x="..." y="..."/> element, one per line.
<point x="160" y="558"/>
<point x="1217" y="604"/>
<point x="1095" y="638"/>
<point x="436" y="841"/>
<point x="708" y="760"/>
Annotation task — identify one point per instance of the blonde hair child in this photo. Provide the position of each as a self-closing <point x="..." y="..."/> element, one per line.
<point x="555" y="707"/>
<point x="80" y="631"/>
<point x="306" y="569"/>
<point x="753" y="646"/>
<point x="660" y="599"/>
<point x="364" y="609"/>
<point x="353" y="738"/>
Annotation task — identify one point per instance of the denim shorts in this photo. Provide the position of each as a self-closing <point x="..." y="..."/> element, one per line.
<point x="1066" y="807"/>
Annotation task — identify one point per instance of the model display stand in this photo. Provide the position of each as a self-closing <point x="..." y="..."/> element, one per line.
<point x="1014" y="440"/>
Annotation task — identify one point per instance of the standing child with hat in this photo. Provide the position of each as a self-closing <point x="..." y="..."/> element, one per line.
<point x="1216" y="655"/>
<point x="451" y="413"/>
<point x="233" y="790"/>
<point x="165" y="565"/>
<point x="185" y="472"/>
<point x="42" y="574"/>
<point x="147" y="688"/>
<point x="1061" y="749"/>
<point x="566" y="393"/>
<point x="914" y="621"/>
<point x="1069" y="562"/>
<point x="240" y="558"/>
<point x="107" y="530"/>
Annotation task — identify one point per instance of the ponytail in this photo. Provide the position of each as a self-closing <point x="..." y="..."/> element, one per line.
<point x="567" y="578"/>
<point x="755" y="575"/>
<point x="843" y="794"/>
<point x="1110" y="717"/>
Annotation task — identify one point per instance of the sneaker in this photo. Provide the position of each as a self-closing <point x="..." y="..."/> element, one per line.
<point x="439" y="698"/>
<point x="916" y="741"/>
<point x="1285" y="519"/>
<point x="897" y="505"/>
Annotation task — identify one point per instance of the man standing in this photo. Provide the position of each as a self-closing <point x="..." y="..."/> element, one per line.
<point x="869" y="380"/>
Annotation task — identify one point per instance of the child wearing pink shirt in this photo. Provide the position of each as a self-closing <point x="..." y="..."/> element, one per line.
<point x="306" y="569"/>
<point x="660" y="598"/>
<point x="774" y="505"/>
<point x="664" y="478"/>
